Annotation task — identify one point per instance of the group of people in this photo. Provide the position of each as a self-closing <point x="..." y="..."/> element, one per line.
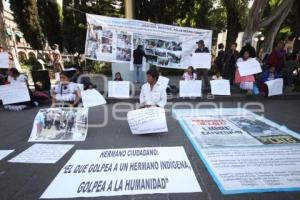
<point x="277" y="64"/>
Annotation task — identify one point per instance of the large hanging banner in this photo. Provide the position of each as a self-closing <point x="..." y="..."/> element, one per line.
<point x="114" y="39"/>
<point x="60" y="125"/>
<point x="242" y="151"/>
<point x="112" y="172"/>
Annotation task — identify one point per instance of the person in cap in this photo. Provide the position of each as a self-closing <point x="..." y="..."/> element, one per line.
<point x="202" y="73"/>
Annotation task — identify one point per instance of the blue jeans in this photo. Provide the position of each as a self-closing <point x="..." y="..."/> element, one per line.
<point x="138" y="72"/>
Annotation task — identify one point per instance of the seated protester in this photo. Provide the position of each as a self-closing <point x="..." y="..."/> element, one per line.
<point x="84" y="80"/>
<point x="118" y="77"/>
<point x="189" y="75"/>
<point x="246" y="82"/>
<point x="65" y="92"/>
<point x="217" y="76"/>
<point x="152" y="93"/>
<point x="15" y="77"/>
<point x="268" y="75"/>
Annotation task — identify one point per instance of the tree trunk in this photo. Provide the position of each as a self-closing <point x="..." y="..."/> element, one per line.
<point x="274" y="27"/>
<point x="3" y="41"/>
<point x="296" y="46"/>
<point x="254" y="18"/>
<point x="233" y="24"/>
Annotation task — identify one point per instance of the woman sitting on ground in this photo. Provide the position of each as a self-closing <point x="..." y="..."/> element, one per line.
<point x="189" y="75"/>
<point x="118" y="77"/>
<point x="65" y="92"/>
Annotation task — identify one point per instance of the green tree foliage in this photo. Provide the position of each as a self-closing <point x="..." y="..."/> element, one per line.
<point x="26" y="16"/>
<point x="50" y="20"/>
<point x="74" y="23"/>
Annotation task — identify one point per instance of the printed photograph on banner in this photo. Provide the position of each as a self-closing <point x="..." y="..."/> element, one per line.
<point x="124" y="46"/>
<point x="60" y="124"/>
<point x="262" y="131"/>
<point x="218" y="131"/>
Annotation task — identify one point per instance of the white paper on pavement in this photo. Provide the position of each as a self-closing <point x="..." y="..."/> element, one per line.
<point x="4" y="153"/>
<point x="42" y="153"/>
<point x="92" y="98"/>
<point x="190" y="88"/>
<point x="113" y="172"/>
<point x="249" y="67"/>
<point x="119" y="89"/>
<point x="147" y="120"/>
<point x="201" y="60"/>
<point x="220" y="87"/>
<point x="14" y="93"/>
<point x="275" y="87"/>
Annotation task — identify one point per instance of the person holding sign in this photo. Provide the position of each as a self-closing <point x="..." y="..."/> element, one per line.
<point x="246" y="82"/>
<point x="189" y="75"/>
<point x="202" y="73"/>
<point x="65" y="92"/>
<point x="152" y="93"/>
<point x="268" y="75"/>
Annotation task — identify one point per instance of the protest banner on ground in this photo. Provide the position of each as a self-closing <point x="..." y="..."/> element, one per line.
<point x="201" y="60"/>
<point x="91" y="98"/>
<point x="114" y="39"/>
<point x="266" y="160"/>
<point x="147" y="120"/>
<point x="190" y="88"/>
<point x="60" y="125"/>
<point x="119" y="89"/>
<point x="4" y="153"/>
<point x="249" y="67"/>
<point x="42" y="153"/>
<point x="112" y="172"/>
<point x="14" y="93"/>
<point x="220" y="87"/>
<point x="4" y="60"/>
<point x="275" y="87"/>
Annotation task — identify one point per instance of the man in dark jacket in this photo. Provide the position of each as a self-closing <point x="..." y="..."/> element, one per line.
<point x="202" y="73"/>
<point x="231" y="57"/>
<point x="138" y="55"/>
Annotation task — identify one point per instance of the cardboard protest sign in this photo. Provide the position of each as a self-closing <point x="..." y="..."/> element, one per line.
<point x="60" y="124"/>
<point x="91" y="98"/>
<point x="164" y="81"/>
<point x="190" y="88"/>
<point x="147" y="120"/>
<point x="14" y="93"/>
<point x="201" y="60"/>
<point x="275" y="87"/>
<point x="249" y="67"/>
<point x="220" y="87"/>
<point x="113" y="172"/>
<point x="119" y="89"/>
<point x="4" y="60"/>
<point x="42" y="153"/>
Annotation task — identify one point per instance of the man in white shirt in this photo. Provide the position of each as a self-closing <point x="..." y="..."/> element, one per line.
<point x="152" y="93"/>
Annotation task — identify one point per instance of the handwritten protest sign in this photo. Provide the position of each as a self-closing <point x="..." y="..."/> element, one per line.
<point x="147" y="120"/>
<point x="42" y="153"/>
<point x="275" y="87"/>
<point x="4" y="60"/>
<point x="164" y="81"/>
<point x="220" y="87"/>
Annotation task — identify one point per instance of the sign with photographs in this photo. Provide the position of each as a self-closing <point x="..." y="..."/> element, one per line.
<point x="114" y="40"/>
<point x="244" y="152"/>
<point x="132" y="171"/>
<point x="60" y="125"/>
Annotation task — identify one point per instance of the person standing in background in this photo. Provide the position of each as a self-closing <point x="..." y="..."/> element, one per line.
<point x="277" y="57"/>
<point x="202" y="73"/>
<point x="57" y="62"/>
<point x="220" y="59"/>
<point x="138" y="55"/>
<point x="231" y="57"/>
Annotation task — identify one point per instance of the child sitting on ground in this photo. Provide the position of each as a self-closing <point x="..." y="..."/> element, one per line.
<point x="268" y="75"/>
